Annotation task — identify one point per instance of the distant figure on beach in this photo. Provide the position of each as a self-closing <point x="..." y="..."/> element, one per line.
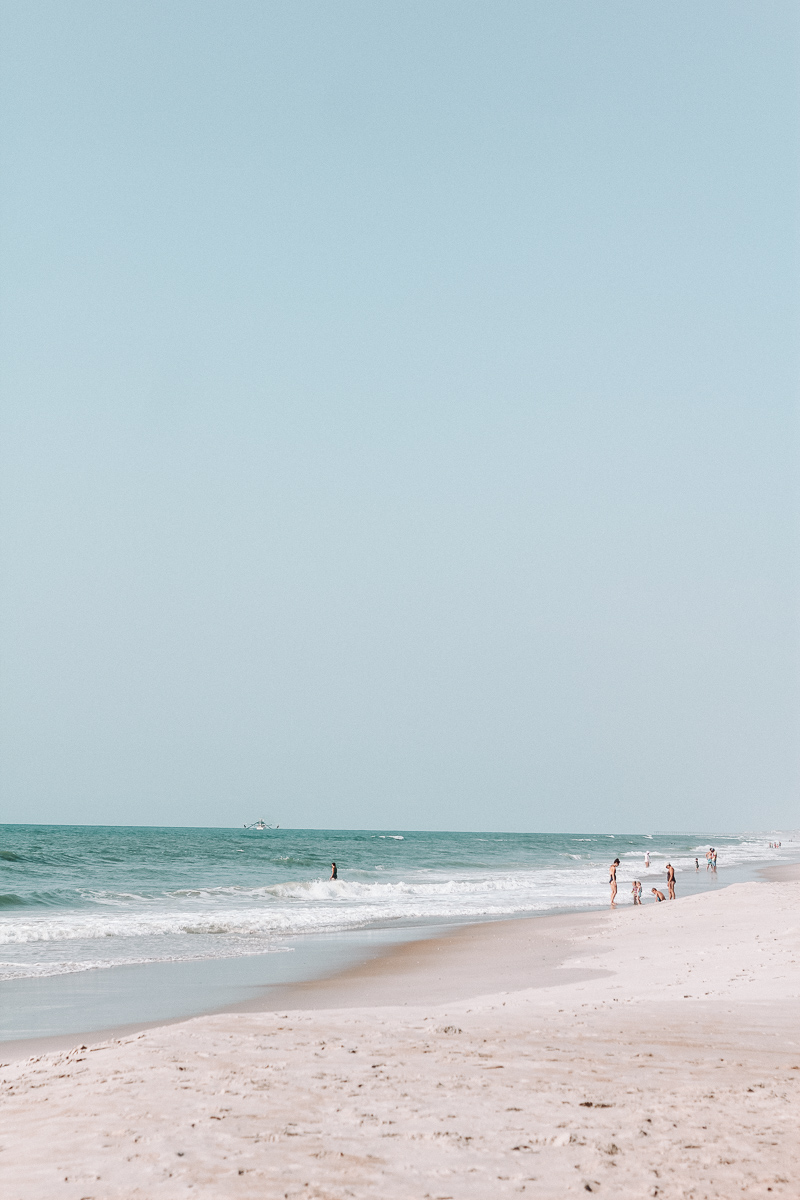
<point x="713" y="860"/>
<point x="671" y="881"/>
<point x="658" y="895"/>
<point x="696" y="865"/>
<point x="612" y="879"/>
<point x="334" y="872"/>
<point x="647" y="858"/>
<point x="637" y="891"/>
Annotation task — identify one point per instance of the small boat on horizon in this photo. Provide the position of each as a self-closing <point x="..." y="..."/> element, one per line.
<point x="261" y="825"/>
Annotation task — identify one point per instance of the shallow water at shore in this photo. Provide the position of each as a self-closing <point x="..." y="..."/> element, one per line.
<point x="104" y="926"/>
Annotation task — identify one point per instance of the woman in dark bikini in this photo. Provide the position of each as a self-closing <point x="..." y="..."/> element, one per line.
<point x="671" y="881"/>
<point x="612" y="879"/>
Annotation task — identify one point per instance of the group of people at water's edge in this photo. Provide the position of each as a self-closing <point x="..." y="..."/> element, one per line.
<point x="636" y="890"/>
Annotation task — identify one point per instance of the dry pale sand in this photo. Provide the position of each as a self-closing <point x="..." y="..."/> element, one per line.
<point x="661" y="1059"/>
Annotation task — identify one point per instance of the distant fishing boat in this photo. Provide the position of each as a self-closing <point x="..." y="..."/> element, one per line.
<point x="261" y="825"/>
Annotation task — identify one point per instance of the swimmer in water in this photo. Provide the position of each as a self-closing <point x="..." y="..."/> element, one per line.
<point x="334" y="872"/>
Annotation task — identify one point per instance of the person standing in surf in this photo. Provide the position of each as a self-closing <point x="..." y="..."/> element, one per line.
<point x="612" y="879"/>
<point x="334" y="872"/>
<point x="671" y="881"/>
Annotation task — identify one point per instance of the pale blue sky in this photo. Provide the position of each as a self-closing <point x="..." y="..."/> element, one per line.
<point x="400" y="419"/>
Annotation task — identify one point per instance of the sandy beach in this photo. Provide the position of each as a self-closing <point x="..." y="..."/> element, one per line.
<point x="649" y="1051"/>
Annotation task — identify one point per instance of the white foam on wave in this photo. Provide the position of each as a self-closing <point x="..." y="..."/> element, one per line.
<point x="10" y="969"/>
<point x="304" y="906"/>
<point x="341" y="889"/>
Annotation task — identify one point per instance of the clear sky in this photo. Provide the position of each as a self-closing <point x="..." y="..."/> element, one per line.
<point x="400" y="413"/>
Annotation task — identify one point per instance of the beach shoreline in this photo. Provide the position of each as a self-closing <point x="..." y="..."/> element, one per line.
<point x="391" y="973"/>
<point x="408" y="972"/>
<point x="648" y="1051"/>
<point x="782" y="873"/>
<point x="107" y="929"/>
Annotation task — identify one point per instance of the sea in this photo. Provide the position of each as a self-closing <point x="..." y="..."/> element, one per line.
<point x="105" y="926"/>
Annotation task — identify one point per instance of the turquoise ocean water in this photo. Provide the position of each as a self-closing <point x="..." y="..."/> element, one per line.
<point x="89" y="902"/>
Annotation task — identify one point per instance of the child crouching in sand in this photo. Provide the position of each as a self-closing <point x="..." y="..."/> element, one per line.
<point x="658" y="895"/>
